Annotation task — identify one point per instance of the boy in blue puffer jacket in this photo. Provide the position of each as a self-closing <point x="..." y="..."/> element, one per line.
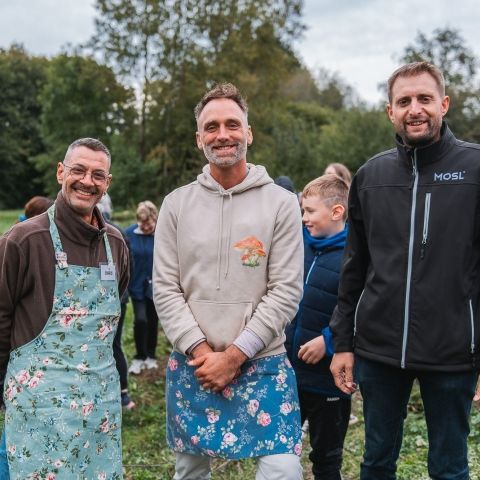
<point x="309" y="343"/>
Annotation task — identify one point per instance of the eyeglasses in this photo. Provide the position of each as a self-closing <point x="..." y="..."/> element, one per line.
<point x="98" y="177"/>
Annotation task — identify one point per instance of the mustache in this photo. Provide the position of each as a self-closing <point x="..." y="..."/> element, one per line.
<point x="225" y="144"/>
<point x="79" y="185"/>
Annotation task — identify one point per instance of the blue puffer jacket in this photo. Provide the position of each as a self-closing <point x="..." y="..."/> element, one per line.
<point x="323" y="258"/>
<point x="141" y="248"/>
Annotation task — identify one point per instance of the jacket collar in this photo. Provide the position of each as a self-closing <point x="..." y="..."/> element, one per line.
<point x="73" y="227"/>
<point x="430" y="153"/>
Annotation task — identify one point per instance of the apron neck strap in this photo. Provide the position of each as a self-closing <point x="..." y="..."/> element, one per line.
<point x="57" y="243"/>
<point x="108" y="249"/>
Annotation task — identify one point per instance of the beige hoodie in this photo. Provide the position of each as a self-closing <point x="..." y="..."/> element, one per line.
<point x="225" y="259"/>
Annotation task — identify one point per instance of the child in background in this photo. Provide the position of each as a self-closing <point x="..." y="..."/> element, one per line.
<point x="308" y="337"/>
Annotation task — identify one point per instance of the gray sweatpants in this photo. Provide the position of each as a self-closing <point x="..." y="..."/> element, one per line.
<point x="270" y="467"/>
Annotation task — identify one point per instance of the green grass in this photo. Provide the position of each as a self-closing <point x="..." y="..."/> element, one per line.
<point x="146" y="456"/>
<point x="8" y="218"/>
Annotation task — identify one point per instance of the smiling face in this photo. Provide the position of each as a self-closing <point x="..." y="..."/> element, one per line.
<point x="83" y="194"/>
<point x="223" y="133"/>
<point x="320" y="219"/>
<point x="417" y="109"/>
<point x="147" y="226"/>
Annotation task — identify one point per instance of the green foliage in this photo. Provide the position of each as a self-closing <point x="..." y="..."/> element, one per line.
<point x="162" y="57"/>
<point x="446" y="49"/>
<point x="21" y="79"/>
<point x="289" y="142"/>
<point x="173" y="51"/>
<point x="80" y="98"/>
<point x="8" y="218"/>
<point x="354" y="136"/>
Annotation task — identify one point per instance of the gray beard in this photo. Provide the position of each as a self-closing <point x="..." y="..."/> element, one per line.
<point x="240" y="153"/>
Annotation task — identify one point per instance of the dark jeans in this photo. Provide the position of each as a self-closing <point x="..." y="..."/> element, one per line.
<point x="4" y="473"/>
<point x="145" y="328"/>
<point x="447" y="400"/>
<point x="118" y="354"/>
<point x="327" y="425"/>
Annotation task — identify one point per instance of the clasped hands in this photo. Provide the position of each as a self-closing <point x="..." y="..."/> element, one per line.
<point x="215" y="370"/>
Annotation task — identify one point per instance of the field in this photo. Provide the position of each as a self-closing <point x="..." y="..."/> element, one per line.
<point x="146" y="456"/>
<point x="8" y="218"/>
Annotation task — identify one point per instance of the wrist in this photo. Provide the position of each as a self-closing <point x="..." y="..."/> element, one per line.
<point x="235" y="355"/>
<point x="201" y="349"/>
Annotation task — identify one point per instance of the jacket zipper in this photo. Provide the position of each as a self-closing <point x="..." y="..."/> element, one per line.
<point x="425" y="225"/>
<point x="472" y="326"/>
<point x="356" y="312"/>
<point x="410" y="260"/>
<point x="295" y="336"/>
<point x="311" y="268"/>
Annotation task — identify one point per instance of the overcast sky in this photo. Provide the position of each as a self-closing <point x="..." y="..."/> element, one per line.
<point x="358" y="39"/>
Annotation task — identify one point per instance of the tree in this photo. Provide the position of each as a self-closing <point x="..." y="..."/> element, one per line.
<point x="446" y="49"/>
<point x="80" y="98"/>
<point x="291" y="145"/>
<point x="353" y="136"/>
<point x="172" y="51"/>
<point x="21" y="78"/>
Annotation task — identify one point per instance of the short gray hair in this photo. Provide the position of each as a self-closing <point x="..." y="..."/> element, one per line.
<point x="92" y="144"/>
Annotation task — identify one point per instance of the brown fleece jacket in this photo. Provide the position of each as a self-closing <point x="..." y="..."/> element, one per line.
<point x="27" y="270"/>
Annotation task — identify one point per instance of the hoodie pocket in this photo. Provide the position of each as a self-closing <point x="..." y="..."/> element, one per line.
<point x="221" y="323"/>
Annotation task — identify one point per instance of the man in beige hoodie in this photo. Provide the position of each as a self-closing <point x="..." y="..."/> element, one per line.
<point x="227" y="279"/>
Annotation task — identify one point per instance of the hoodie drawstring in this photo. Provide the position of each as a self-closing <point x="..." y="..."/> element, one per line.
<point x="220" y="245"/>
<point x="229" y="233"/>
<point x="219" y="242"/>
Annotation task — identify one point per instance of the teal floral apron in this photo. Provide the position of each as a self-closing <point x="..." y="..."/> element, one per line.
<point x="62" y="391"/>
<point x="257" y="414"/>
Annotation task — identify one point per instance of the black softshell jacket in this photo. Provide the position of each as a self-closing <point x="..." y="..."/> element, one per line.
<point x="409" y="290"/>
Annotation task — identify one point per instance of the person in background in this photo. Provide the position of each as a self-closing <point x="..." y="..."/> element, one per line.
<point x="341" y="170"/>
<point x="106" y="208"/>
<point x="35" y="206"/>
<point x="308" y="337"/>
<point x="408" y="301"/>
<point x="105" y="205"/>
<point x="285" y="182"/>
<point x="61" y="277"/>
<point x="145" y="330"/>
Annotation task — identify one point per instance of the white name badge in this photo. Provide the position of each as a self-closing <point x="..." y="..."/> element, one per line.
<point x="61" y="259"/>
<point x="107" y="272"/>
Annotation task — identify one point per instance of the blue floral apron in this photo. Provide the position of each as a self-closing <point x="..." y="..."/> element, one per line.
<point x="62" y="391"/>
<point x="257" y="414"/>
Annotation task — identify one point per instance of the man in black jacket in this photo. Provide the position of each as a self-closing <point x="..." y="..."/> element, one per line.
<point x="408" y="303"/>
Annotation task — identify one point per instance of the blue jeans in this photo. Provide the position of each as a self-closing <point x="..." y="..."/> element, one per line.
<point x="447" y="400"/>
<point x="4" y="475"/>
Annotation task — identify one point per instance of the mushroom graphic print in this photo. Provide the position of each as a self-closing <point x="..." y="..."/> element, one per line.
<point x="252" y="250"/>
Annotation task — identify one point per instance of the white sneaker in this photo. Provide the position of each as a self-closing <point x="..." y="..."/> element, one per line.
<point x="151" y="363"/>
<point x="136" y="366"/>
